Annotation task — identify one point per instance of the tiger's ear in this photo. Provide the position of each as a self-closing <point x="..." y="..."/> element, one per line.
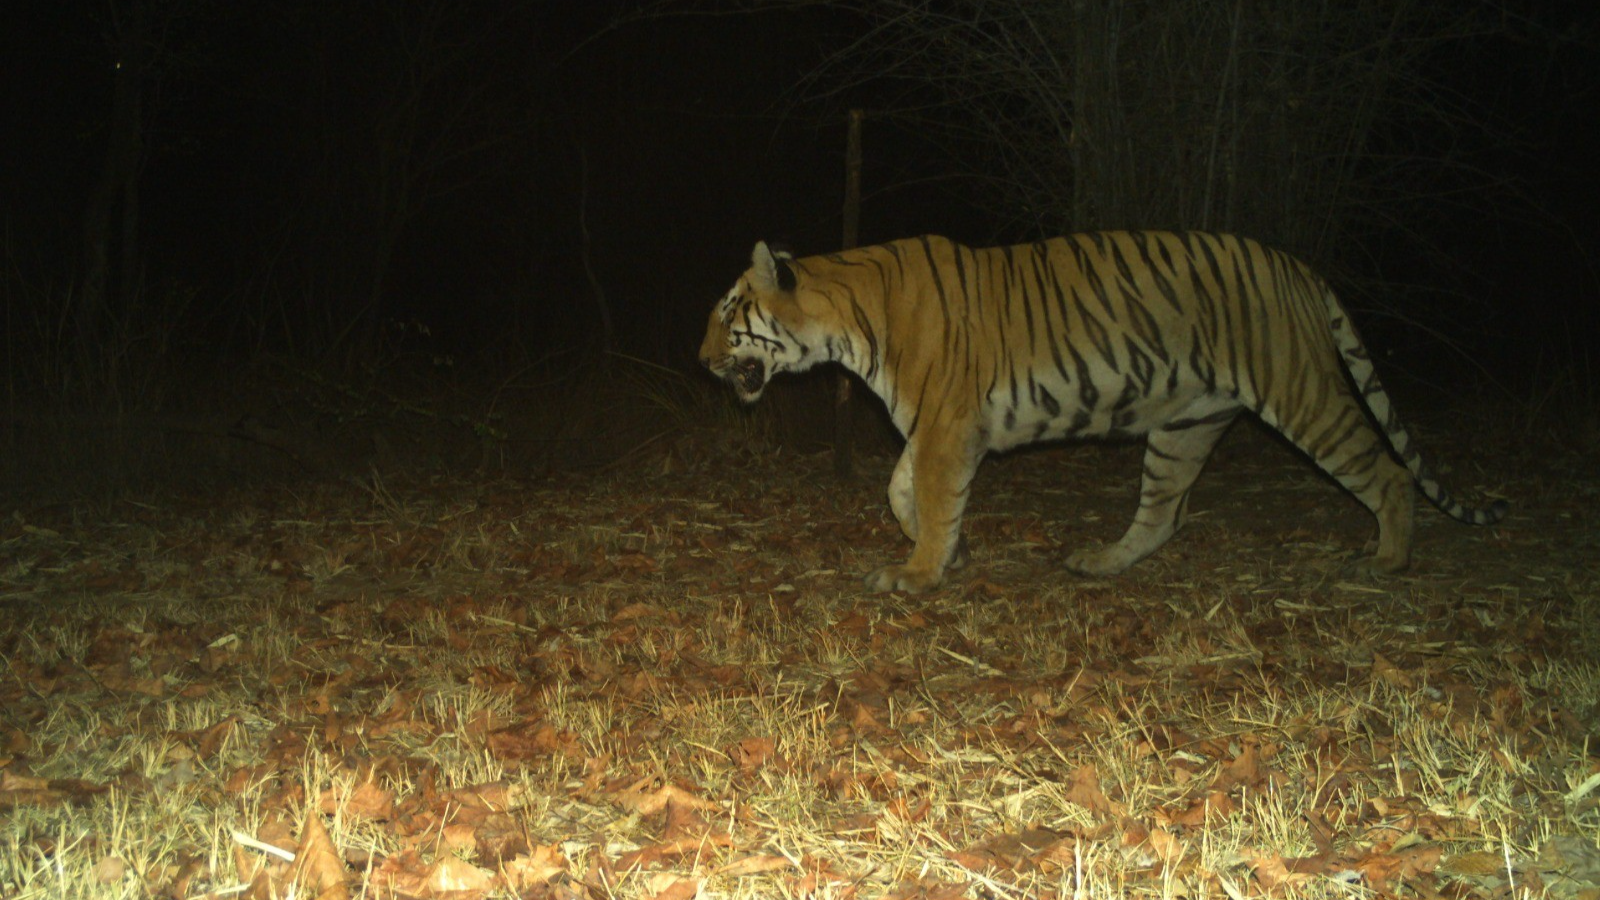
<point x="771" y="270"/>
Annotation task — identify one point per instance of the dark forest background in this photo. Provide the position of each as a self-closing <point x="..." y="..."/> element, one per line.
<point x="293" y="235"/>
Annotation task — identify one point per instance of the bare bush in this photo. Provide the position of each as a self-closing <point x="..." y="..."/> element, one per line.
<point x="1283" y="121"/>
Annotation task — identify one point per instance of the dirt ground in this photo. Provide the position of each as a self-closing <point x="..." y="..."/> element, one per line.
<point x="667" y="682"/>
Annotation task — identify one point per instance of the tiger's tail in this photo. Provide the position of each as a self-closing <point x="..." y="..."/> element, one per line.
<point x="1376" y="398"/>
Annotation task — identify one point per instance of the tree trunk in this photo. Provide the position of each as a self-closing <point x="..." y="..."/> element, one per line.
<point x="118" y="184"/>
<point x="844" y="432"/>
<point x="608" y="336"/>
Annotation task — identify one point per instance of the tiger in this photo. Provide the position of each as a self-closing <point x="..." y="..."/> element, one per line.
<point x="1168" y="335"/>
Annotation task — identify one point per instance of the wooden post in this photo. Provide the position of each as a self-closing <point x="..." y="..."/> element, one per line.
<point x="844" y="432"/>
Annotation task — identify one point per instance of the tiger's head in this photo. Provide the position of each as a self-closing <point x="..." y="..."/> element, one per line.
<point x="759" y="329"/>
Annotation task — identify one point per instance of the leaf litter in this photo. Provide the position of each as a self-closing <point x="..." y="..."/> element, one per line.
<point x="673" y="686"/>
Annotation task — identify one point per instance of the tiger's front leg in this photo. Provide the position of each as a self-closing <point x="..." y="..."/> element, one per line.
<point x="903" y="502"/>
<point x="902" y="499"/>
<point x="928" y="493"/>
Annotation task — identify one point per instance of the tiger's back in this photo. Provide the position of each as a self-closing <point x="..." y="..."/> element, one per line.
<point x="1164" y="334"/>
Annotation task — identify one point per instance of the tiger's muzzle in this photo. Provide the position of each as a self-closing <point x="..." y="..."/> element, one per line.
<point x="748" y="376"/>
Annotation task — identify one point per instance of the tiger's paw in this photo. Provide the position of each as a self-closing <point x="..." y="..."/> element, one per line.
<point x="1103" y="560"/>
<point x="1372" y="568"/>
<point x="903" y="578"/>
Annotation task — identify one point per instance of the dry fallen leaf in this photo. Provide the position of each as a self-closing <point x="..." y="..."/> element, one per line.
<point x="752" y="752"/>
<point x="537" y="867"/>
<point x="11" y="781"/>
<point x="367" y="801"/>
<point x="1166" y="846"/>
<point x="1085" y="790"/>
<point x="1244" y="769"/>
<point x="460" y="838"/>
<point x="683" y="822"/>
<point x="654" y="854"/>
<point x="317" y="864"/>
<point x="1384" y="670"/>
<point x="110" y="869"/>
<point x="488" y="796"/>
<point x="648" y="803"/>
<point x="458" y="879"/>
<point x="1481" y="862"/>
<point x="636" y="611"/>
<point x="667" y="886"/>
<point x="754" y="865"/>
<point x="211" y="740"/>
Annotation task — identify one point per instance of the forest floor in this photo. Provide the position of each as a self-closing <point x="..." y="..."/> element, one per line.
<point x="667" y="682"/>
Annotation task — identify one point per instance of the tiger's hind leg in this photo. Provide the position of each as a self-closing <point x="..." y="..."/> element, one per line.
<point x="1343" y="442"/>
<point x="1173" y="457"/>
<point x="1394" y="503"/>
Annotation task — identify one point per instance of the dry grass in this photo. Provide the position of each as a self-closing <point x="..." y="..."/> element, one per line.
<point x="671" y="685"/>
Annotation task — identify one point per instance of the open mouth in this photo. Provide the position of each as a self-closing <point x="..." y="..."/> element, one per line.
<point x="749" y="376"/>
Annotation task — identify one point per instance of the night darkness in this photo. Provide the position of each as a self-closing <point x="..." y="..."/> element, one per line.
<point x="275" y="137"/>
<point x="310" y="176"/>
